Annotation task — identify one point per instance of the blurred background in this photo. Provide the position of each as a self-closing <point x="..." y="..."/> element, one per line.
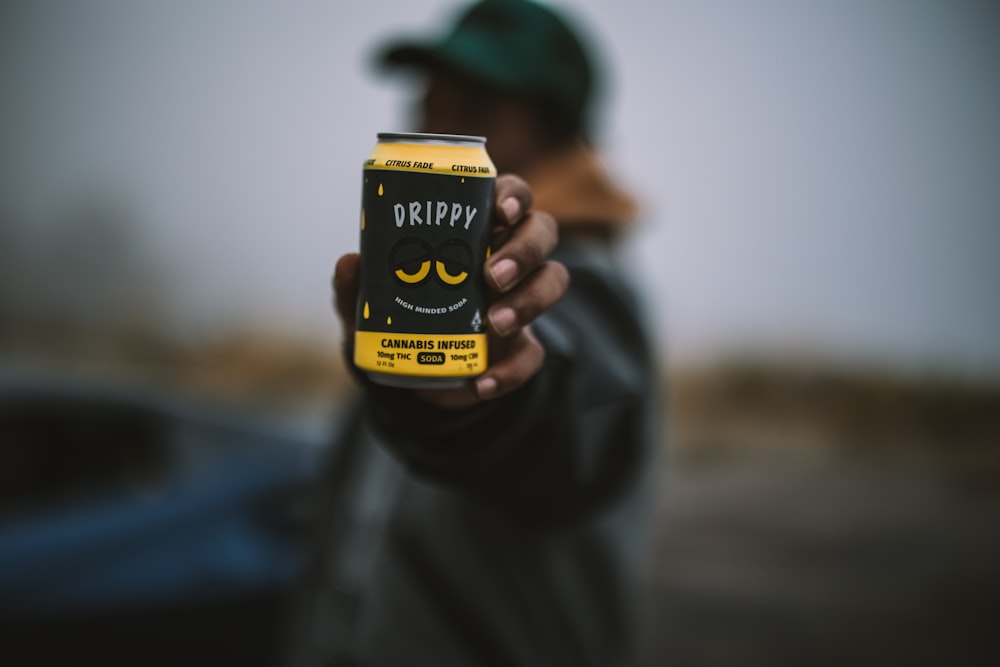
<point x="820" y="252"/>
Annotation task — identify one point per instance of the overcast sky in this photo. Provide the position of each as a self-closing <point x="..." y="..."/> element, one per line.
<point x="818" y="177"/>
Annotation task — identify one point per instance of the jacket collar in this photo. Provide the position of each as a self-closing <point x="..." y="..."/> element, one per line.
<point x="574" y="187"/>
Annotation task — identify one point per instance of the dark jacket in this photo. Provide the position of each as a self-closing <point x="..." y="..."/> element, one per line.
<point x="507" y="534"/>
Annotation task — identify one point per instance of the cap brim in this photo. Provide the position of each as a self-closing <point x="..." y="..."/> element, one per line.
<point x="409" y="54"/>
<point x="464" y="56"/>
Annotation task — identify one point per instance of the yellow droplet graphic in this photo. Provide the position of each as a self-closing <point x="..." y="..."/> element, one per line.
<point x="367" y="313"/>
<point x="380" y="190"/>
<point x="362" y="219"/>
<point x="463" y="179"/>
<point x="488" y="249"/>
<point x="388" y="320"/>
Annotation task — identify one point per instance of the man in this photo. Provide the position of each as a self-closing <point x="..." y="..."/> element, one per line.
<point x="500" y="523"/>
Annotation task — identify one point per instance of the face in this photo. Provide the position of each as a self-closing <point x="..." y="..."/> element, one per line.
<point x="453" y="104"/>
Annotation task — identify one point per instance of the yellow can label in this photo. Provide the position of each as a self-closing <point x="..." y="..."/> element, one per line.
<point x="428" y="355"/>
<point x="454" y="160"/>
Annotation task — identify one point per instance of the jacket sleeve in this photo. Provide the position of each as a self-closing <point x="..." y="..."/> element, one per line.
<point x="573" y="438"/>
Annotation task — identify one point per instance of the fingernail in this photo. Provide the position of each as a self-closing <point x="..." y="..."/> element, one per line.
<point x="504" y="272"/>
<point x="511" y="208"/>
<point x="503" y="320"/>
<point x="486" y="387"/>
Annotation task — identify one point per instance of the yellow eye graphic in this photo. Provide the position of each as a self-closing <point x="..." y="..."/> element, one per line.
<point x="410" y="261"/>
<point x="447" y="278"/>
<point x="411" y="258"/>
<point x="416" y="276"/>
<point x="453" y="262"/>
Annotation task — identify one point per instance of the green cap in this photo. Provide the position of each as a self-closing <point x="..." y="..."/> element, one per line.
<point x="515" y="45"/>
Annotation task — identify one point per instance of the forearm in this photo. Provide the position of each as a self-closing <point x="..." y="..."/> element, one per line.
<point x="561" y="447"/>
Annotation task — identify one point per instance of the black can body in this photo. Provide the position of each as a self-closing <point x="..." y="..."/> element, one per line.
<point x="426" y="219"/>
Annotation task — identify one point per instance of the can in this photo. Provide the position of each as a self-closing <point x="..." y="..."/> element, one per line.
<point x="426" y="219"/>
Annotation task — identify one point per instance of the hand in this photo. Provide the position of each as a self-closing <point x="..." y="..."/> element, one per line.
<point x="523" y="284"/>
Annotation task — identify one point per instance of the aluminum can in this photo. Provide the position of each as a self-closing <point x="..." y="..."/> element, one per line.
<point x="426" y="220"/>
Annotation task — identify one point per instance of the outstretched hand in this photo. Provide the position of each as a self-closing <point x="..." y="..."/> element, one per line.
<point x="523" y="284"/>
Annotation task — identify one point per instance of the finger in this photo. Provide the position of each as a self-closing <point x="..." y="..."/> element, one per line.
<point x="529" y="244"/>
<point x="345" y="288"/>
<point x="524" y="358"/>
<point x="520" y="359"/>
<point x="533" y="296"/>
<point x="513" y="199"/>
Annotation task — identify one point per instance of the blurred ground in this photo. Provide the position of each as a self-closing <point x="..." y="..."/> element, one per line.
<point x="824" y="517"/>
<point x="809" y="514"/>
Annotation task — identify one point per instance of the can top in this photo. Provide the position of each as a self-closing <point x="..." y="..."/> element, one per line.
<point x="427" y="138"/>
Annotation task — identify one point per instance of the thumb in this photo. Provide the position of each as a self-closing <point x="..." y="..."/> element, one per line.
<point x="345" y="289"/>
